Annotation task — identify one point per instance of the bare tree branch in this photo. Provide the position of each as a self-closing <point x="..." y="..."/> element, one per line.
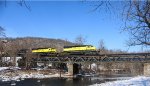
<point x="20" y="2"/>
<point x="23" y="2"/>
<point x="2" y="33"/>
<point x="80" y="40"/>
<point x="136" y="14"/>
<point x="137" y="23"/>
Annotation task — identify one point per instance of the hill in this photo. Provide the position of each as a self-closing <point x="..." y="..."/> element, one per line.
<point x="13" y="45"/>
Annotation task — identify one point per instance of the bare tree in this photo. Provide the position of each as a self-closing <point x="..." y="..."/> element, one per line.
<point x="102" y="47"/>
<point x="138" y="22"/>
<point x="80" y="40"/>
<point x="2" y="33"/>
<point x="136" y="14"/>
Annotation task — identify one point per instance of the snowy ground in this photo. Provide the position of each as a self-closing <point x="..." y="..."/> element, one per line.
<point x="135" y="81"/>
<point x="3" y="68"/>
<point x="13" y="74"/>
<point x="24" y="76"/>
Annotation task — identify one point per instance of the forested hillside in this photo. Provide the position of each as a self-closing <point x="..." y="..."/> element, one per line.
<point x="13" y="45"/>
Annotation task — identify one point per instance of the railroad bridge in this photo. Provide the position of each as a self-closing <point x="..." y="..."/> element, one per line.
<point x="97" y="58"/>
<point x="127" y="57"/>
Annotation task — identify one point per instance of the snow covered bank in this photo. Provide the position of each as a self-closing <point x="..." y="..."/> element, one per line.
<point x="3" y="68"/>
<point x="135" y="81"/>
<point x="24" y="76"/>
<point x="16" y="74"/>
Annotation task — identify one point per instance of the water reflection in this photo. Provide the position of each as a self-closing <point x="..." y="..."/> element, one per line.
<point x="13" y="83"/>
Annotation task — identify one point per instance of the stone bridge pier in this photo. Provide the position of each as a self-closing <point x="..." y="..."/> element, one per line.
<point x="73" y="68"/>
<point x="70" y="68"/>
<point x="147" y="69"/>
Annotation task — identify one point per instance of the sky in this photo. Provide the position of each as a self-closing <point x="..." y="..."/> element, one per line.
<point x="65" y="20"/>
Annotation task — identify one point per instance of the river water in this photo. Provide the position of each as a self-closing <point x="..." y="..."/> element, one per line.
<point x="79" y="81"/>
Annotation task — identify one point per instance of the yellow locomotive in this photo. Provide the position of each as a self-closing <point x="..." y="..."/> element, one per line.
<point x="44" y="50"/>
<point x="67" y="49"/>
<point x="79" y="48"/>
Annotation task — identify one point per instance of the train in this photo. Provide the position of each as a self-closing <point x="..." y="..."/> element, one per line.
<point x="44" y="50"/>
<point x="76" y="49"/>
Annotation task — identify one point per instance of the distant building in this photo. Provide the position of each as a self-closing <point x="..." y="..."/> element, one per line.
<point x="11" y="60"/>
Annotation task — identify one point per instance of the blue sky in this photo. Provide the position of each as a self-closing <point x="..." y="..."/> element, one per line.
<point x="65" y="20"/>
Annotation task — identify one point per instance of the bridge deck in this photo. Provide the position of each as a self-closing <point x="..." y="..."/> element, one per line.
<point x="127" y="57"/>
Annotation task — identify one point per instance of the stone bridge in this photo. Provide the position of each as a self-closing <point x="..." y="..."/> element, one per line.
<point x="97" y="58"/>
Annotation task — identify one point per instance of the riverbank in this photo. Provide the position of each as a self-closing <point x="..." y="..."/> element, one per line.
<point x="134" y="81"/>
<point x="17" y="74"/>
<point x="9" y="74"/>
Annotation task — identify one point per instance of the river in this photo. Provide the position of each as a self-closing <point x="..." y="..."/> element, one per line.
<point x="79" y="81"/>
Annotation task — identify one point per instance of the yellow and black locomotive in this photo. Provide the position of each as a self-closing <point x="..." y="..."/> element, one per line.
<point x="80" y="49"/>
<point x="44" y="50"/>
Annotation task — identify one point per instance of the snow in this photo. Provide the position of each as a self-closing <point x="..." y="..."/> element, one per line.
<point x="12" y="68"/>
<point x="25" y="76"/>
<point x="135" y="81"/>
<point x="5" y="75"/>
<point x="3" y="68"/>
